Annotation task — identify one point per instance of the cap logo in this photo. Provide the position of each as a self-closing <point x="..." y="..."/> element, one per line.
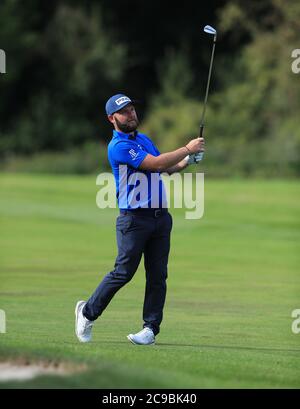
<point x="121" y="100"/>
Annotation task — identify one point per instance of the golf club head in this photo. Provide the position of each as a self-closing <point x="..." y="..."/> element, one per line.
<point x="210" y="30"/>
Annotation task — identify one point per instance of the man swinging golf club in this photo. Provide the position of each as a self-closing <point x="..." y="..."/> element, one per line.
<point x="143" y="227"/>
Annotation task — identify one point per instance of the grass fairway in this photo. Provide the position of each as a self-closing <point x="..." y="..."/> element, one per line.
<point x="233" y="283"/>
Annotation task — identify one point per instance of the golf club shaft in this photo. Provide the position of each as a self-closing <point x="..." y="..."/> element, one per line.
<point x="207" y="87"/>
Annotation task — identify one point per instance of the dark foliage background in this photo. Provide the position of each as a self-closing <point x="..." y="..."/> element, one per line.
<point x="65" y="58"/>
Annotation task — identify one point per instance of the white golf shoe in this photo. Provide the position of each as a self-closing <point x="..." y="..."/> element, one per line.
<point x="144" y="337"/>
<point x="83" y="326"/>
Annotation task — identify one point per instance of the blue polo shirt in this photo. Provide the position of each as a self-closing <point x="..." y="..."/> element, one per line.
<point x="135" y="188"/>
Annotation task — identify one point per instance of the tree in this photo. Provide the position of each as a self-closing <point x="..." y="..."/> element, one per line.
<point x="63" y="70"/>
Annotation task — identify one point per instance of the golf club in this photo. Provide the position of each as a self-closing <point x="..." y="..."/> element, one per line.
<point x="209" y="30"/>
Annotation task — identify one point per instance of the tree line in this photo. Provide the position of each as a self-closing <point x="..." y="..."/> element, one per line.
<point x="65" y="58"/>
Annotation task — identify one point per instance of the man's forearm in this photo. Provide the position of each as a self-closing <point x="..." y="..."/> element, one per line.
<point x="177" y="168"/>
<point x="164" y="161"/>
<point x="172" y="159"/>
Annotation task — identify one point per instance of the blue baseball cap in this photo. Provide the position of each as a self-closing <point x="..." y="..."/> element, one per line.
<point x="117" y="102"/>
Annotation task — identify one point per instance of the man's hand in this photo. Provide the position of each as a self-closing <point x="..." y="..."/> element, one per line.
<point x="199" y="156"/>
<point x="194" y="158"/>
<point x="196" y="145"/>
<point x="190" y="159"/>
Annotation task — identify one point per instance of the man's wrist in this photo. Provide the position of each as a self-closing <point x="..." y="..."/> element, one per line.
<point x="184" y="163"/>
<point x="188" y="151"/>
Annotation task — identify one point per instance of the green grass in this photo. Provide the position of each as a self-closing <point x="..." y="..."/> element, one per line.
<point x="233" y="283"/>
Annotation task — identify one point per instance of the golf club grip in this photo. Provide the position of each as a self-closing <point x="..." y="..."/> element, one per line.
<point x="201" y="136"/>
<point x="201" y="131"/>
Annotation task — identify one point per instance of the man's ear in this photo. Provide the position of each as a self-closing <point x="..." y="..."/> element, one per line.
<point x="110" y="118"/>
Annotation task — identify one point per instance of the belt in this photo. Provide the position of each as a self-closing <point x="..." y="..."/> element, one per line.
<point x="145" y="212"/>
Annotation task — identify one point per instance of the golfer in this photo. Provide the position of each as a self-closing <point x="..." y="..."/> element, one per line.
<point x="144" y="224"/>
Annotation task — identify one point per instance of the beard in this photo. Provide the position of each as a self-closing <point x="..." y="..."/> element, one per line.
<point x="128" y="126"/>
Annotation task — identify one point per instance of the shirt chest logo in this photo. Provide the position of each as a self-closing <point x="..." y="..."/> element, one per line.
<point x="133" y="153"/>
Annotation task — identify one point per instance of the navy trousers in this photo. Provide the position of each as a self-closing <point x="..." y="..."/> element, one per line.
<point x="138" y="234"/>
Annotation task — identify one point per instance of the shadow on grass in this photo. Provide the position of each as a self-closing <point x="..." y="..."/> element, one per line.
<point x="261" y="349"/>
<point x="230" y="347"/>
